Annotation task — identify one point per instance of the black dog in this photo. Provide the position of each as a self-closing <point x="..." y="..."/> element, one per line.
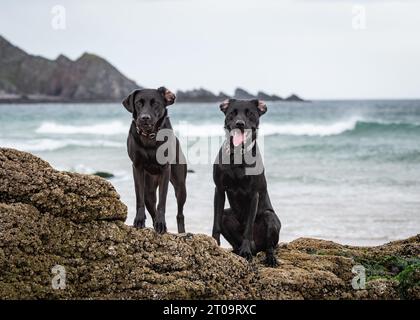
<point x="150" y="115"/>
<point x="250" y="224"/>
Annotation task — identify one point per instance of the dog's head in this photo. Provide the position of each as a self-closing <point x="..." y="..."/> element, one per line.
<point x="148" y="107"/>
<point x="242" y="118"/>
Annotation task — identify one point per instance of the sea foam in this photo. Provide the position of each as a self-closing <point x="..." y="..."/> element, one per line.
<point x="106" y="128"/>
<point x="310" y="129"/>
<point x="186" y="129"/>
<point x="55" y="144"/>
<point x="269" y="129"/>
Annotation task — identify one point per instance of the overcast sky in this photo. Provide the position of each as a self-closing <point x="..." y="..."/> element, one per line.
<point x="280" y="46"/>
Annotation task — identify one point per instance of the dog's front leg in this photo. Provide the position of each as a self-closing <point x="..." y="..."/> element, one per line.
<point x="160" y="222"/>
<point x="248" y="239"/>
<point x="219" y="205"/>
<point x="140" y="220"/>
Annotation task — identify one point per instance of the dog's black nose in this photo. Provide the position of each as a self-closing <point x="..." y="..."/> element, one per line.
<point x="240" y="124"/>
<point x="145" y="117"/>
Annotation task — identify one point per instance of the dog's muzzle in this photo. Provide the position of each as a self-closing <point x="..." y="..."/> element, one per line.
<point x="150" y="134"/>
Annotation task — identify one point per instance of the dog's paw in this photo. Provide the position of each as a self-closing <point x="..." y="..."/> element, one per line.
<point x="245" y="251"/>
<point x="181" y="228"/>
<point x="160" y="227"/>
<point x="216" y="237"/>
<point x="139" y="223"/>
<point x="271" y="261"/>
<point x="247" y="254"/>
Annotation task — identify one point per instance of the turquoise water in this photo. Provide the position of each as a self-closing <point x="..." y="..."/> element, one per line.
<point x="347" y="171"/>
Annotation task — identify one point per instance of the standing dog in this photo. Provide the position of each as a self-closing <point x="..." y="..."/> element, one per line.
<point x="250" y="224"/>
<point x="150" y="114"/>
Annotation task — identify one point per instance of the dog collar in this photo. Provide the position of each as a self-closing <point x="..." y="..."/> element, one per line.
<point x="151" y="135"/>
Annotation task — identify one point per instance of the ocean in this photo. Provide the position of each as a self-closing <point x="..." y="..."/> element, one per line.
<point x="346" y="171"/>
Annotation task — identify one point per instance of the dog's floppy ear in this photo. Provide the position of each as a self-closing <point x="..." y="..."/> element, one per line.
<point x="225" y="105"/>
<point x="261" y="106"/>
<point x="128" y="102"/>
<point x="168" y="95"/>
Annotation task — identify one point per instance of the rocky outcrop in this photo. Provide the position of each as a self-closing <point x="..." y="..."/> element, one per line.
<point x="294" y="97"/>
<point x="199" y="95"/>
<point x="50" y="218"/>
<point x="203" y="95"/>
<point x="25" y="77"/>
<point x="266" y="97"/>
<point x="30" y="78"/>
<point x="243" y="94"/>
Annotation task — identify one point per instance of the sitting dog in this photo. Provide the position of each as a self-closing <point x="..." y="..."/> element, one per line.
<point x="150" y="114"/>
<point x="250" y="224"/>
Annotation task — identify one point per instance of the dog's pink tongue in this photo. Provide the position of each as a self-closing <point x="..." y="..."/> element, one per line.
<point x="238" y="138"/>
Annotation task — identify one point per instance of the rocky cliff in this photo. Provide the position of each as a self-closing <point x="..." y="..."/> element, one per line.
<point x="30" y="78"/>
<point x="25" y="77"/>
<point x="200" y="95"/>
<point x="50" y="218"/>
<point x="243" y="94"/>
<point x="203" y="95"/>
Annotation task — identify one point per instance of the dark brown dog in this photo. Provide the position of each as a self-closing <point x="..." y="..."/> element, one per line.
<point x="250" y="224"/>
<point x="150" y="115"/>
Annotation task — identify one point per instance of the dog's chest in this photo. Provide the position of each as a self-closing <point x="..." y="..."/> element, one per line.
<point x="236" y="181"/>
<point x="147" y="159"/>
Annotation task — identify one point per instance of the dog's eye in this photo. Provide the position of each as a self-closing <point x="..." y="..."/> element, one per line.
<point x="140" y="103"/>
<point x="250" y="115"/>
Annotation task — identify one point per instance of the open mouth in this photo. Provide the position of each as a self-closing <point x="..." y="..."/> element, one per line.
<point x="239" y="137"/>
